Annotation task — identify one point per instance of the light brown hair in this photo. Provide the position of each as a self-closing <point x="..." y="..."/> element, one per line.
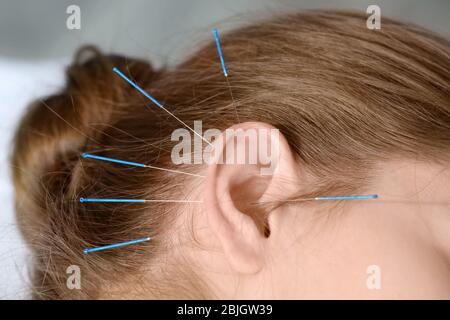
<point x="345" y="98"/>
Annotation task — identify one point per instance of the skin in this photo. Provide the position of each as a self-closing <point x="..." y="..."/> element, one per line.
<point x="323" y="250"/>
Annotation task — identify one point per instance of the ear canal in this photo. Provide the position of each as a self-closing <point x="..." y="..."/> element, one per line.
<point x="245" y="195"/>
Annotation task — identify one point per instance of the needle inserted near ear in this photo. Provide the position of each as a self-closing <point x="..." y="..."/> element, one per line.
<point x="136" y="164"/>
<point x="116" y="245"/>
<point x="110" y="200"/>
<point x="156" y="102"/>
<point x="224" y="69"/>
<point x="219" y="50"/>
<point x="331" y="198"/>
<point x="358" y="197"/>
<point x="328" y="198"/>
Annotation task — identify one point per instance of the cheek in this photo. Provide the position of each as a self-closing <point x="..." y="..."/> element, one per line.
<point x="361" y="253"/>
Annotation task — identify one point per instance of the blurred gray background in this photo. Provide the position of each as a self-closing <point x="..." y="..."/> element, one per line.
<point x="35" y="45"/>
<point x="36" y="29"/>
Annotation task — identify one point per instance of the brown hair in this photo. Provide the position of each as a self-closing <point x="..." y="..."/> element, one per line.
<point x="345" y="98"/>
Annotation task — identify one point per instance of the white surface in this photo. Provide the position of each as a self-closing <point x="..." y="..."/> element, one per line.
<point x="20" y="83"/>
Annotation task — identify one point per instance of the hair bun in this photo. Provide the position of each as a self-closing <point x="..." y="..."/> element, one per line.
<point x="92" y="67"/>
<point x="56" y="129"/>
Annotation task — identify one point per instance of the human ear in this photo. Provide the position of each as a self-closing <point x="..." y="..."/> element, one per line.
<point x="234" y="186"/>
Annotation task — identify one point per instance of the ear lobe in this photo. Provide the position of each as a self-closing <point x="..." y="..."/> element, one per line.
<point x="231" y="189"/>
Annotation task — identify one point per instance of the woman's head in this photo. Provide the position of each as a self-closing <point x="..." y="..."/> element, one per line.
<point x="358" y="111"/>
